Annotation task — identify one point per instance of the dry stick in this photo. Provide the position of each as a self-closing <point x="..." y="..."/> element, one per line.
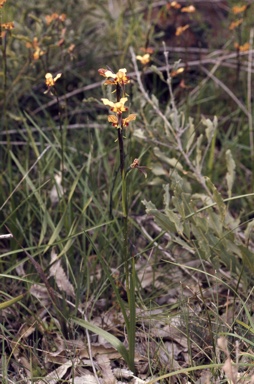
<point x="9" y="236"/>
<point x="193" y="63"/>
<point x="176" y="117"/>
<point x="227" y="90"/>
<point x="217" y="63"/>
<point x="175" y="135"/>
<point x="202" y="83"/>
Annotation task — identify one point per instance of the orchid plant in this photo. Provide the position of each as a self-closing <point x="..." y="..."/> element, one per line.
<point x="119" y="80"/>
<point x="118" y="108"/>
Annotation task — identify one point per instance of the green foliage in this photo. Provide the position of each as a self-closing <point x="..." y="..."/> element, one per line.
<point x="209" y="232"/>
<point x="116" y="343"/>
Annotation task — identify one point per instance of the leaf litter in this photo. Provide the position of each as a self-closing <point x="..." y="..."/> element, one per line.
<point x="167" y="336"/>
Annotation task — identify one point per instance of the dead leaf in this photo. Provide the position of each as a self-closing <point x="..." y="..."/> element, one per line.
<point x="56" y="270"/>
<point x="230" y="370"/>
<point x="41" y="293"/>
<point x="84" y="379"/>
<point x="54" y="376"/>
<point x="54" y="348"/>
<point x="57" y="190"/>
<point x="123" y="373"/>
<point x="105" y="366"/>
<point x="222" y="343"/>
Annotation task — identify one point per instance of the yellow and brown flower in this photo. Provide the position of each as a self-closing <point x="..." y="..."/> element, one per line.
<point x="117" y="107"/>
<point x="114" y="78"/>
<point x="124" y="123"/>
<point x="145" y="59"/>
<point x="50" y="81"/>
<point x="37" y="51"/>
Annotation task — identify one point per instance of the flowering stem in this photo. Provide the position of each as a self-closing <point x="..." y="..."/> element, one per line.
<point x="129" y="273"/>
<point x="121" y="151"/>
<point x="50" y="83"/>
<point x="122" y="155"/>
<point x="129" y="277"/>
<point x="122" y="170"/>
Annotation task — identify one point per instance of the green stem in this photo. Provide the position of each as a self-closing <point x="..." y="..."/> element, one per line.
<point x="132" y="321"/>
<point x="122" y="156"/>
<point x="129" y="278"/>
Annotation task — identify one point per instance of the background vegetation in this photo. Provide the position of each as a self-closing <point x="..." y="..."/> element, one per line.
<point x="73" y="309"/>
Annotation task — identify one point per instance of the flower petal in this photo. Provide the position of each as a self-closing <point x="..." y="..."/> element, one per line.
<point x="110" y="74"/>
<point x="107" y="102"/>
<point x="57" y="77"/>
<point x="113" y="119"/>
<point x="123" y="100"/>
<point x="131" y="117"/>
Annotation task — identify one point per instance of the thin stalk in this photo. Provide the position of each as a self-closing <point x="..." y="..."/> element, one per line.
<point x="132" y="307"/>
<point x="111" y="194"/>
<point x="129" y="278"/>
<point x="122" y="169"/>
<point x="121" y="154"/>
<point x="61" y="135"/>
